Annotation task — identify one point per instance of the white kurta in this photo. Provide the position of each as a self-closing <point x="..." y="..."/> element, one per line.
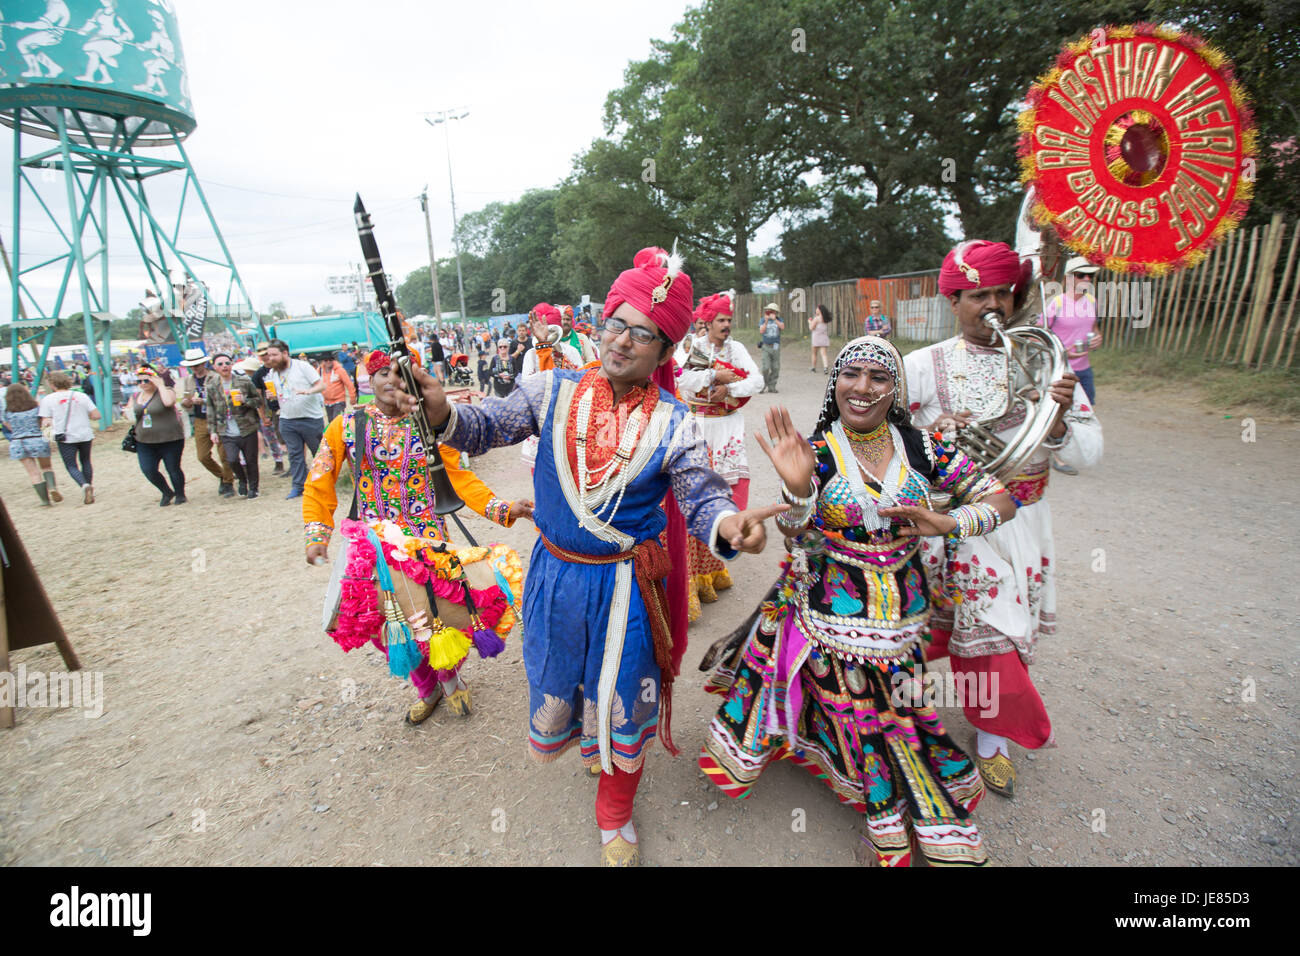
<point x="1007" y="578"/>
<point x="725" y="434"/>
<point x="528" y="447"/>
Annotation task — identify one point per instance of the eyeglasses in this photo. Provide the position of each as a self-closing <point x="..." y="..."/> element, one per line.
<point x="640" y="334"/>
<point x="221" y="365"/>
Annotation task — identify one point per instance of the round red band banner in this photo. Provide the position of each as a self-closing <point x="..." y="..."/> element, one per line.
<point x="1140" y="147"/>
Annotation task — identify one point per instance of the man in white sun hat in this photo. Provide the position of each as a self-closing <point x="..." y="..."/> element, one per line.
<point x="769" y="343"/>
<point x="196" y="363"/>
<point x="1072" y="316"/>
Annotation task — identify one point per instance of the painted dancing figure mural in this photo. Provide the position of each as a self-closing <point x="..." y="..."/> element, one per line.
<point x="108" y="35"/>
<point x="47" y="31"/>
<point x="159" y="43"/>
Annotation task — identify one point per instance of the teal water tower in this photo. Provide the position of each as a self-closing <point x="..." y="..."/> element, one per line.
<point x="97" y="97"/>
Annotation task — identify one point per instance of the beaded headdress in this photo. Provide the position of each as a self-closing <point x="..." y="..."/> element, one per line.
<point x="865" y="350"/>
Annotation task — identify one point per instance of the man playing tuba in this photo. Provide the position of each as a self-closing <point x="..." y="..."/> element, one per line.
<point x="999" y="590"/>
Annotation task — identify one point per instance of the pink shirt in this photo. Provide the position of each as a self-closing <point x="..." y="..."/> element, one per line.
<point x="1072" y="320"/>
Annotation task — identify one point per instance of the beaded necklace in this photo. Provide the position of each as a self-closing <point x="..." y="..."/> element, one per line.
<point x="873" y="447"/>
<point x="615" y="475"/>
<point x="889" y="485"/>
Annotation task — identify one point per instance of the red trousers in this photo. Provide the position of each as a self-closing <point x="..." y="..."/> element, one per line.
<point x="1018" y="711"/>
<point x="740" y="493"/>
<point x="614" y="798"/>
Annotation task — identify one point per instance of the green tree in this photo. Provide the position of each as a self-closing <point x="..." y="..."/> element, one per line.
<point x="853" y="240"/>
<point x="704" y="138"/>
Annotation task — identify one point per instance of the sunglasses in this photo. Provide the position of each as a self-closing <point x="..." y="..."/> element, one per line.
<point x="639" y="333"/>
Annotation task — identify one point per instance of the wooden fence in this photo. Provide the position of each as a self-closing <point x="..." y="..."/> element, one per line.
<point x="911" y="301"/>
<point x="1238" y="307"/>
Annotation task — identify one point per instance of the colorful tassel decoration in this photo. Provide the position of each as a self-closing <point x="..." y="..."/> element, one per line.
<point x="487" y="643"/>
<point x="403" y="653"/>
<point x="447" y="646"/>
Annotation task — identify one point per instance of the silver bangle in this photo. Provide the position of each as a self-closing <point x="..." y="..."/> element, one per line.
<point x="791" y="498"/>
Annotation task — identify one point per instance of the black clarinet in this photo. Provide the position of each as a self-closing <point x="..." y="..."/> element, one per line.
<point x="445" y="499"/>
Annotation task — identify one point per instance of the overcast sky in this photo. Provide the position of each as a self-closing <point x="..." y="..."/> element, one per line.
<point x="302" y="103"/>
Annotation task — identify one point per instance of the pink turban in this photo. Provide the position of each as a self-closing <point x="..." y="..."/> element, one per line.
<point x="546" y="311"/>
<point x="979" y="264"/>
<point x="712" y="306"/>
<point x="657" y="288"/>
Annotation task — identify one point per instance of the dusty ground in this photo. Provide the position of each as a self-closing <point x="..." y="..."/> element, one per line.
<point x="233" y="732"/>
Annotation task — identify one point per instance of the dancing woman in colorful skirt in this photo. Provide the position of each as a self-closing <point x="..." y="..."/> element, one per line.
<point x="831" y="673"/>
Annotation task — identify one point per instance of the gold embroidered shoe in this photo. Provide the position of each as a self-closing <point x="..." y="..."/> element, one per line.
<point x="722" y="580"/>
<point x="423" y="709"/>
<point x="594" y="770"/>
<point x="459" y="702"/>
<point x="707" y="594"/>
<point x="618" y="852"/>
<point x="998" y="772"/>
<point x="692" y="602"/>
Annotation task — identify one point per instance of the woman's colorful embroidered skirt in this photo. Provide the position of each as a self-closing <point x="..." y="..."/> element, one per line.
<point x="893" y="763"/>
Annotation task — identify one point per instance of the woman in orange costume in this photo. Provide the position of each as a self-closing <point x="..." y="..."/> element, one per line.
<point x="393" y="514"/>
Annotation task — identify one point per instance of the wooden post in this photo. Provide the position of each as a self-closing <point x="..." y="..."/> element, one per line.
<point x="1231" y="326"/>
<point x="1162" y="297"/>
<point x="1228" y="295"/>
<point x="27" y="618"/>
<point x="1194" y="313"/>
<point x="1281" y="295"/>
<point x="1290" y="353"/>
<point x="1225" y="292"/>
<point x="1223" y="256"/>
<point x="1290" y="315"/>
<point x="1116" y="329"/>
<point x="1175" y="306"/>
<point x="1291" y="311"/>
<point x="1165" y="330"/>
<point x="1263" y="289"/>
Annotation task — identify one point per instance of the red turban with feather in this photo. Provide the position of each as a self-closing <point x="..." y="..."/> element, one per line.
<point x="657" y="288"/>
<point x="980" y="264"/>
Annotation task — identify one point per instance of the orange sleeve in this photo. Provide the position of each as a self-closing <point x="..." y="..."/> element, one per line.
<point x="473" y="490"/>
<point x="319" y="494"/>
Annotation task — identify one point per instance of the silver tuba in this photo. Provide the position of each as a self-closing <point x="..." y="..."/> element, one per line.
<point x="1035" y="359"/>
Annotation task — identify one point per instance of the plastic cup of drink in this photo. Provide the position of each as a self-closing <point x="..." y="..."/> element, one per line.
<point x="270" y="389"/>
<point x="236" y="398"/>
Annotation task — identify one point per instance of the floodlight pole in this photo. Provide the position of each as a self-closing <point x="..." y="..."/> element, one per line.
<point x="433" y="263"/>
<point x="445" y="117"/>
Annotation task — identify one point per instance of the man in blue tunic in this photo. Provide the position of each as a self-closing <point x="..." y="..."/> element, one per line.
<point x="613" y="443"/>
